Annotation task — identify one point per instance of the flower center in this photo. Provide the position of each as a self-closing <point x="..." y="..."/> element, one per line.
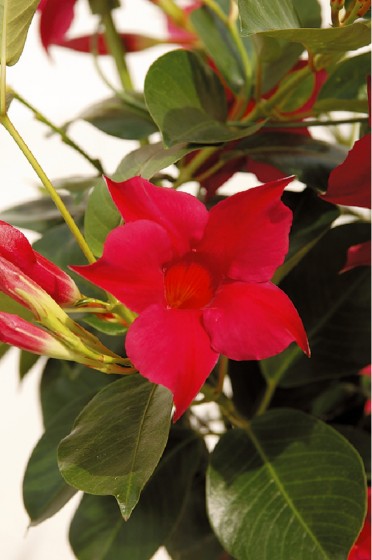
<point x="188" y="285"/>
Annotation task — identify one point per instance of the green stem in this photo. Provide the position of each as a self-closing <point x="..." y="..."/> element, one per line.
<point x="3" y="62"/>
<point x="60" y="131"/>
<point x="187" y="172"/>
<point x="115" y="46"/>
<point x="264" y="107"/>
<point x="8" y="125"/>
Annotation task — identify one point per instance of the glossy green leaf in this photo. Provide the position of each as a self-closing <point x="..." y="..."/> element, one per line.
<point x="359" y="439"/>
<point x="187" y="101"/>
<point x="112" y="449"/>
<point x="335" y="309"/>
<point x="214" y="33"/>
<point x="291" y="487"/>
<point x="114" y="117"/>
<point x="15" y="19"/>
<point x="269" y="14"/>
<point x="44" y="490"/>
<point x="98" y="531"/>
<point x="101" y="217"/>
<point x="146" y="161"/>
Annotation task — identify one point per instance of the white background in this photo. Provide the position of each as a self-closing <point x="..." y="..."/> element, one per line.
<point x="60" y="85"/>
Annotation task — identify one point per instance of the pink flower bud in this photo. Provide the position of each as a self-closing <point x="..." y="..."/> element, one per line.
<point x="16" y="331"/>
<point x="15" y="248"/>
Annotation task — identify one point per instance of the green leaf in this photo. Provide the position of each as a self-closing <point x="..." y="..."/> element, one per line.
<point x="62" y="381"/>
<point x="330" y="40"/>
<point x="112" y="449"/>
<point x="193" y="537"/>
<point x="346" y="80"/>
<point x="187" y="101"/>
<point x="267" y="14"/>
<point x="15" y="19"/>
<point x="97" y="530"/>
<point x="311" y="160"/>
<point x="278" y="56"/>
<point x="114" y="117"/>
<point x="290" y="487"/>
<point x="312" y="218"/>
<point x="146" y="161"/>
<point x="101" y="217"/>
<point x="104" y="326"/>
<point x="215" y="33"/>
<point x="335" y="309"/>
<point x="40" y="214"/>
<point x="44" y="490"/>
<point x="361" y="441"/>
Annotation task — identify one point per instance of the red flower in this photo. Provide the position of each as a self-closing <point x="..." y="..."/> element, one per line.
<point x="17" y="253"/>
<point x="55" y="20"/>
<point x="362" y="548"/>
<point x="199" y="280"/>
<point x="132" y="42"/>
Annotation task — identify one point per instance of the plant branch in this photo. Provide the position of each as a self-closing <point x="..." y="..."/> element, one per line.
<point x="8" y="125"/>
<point x="60" y="131"/>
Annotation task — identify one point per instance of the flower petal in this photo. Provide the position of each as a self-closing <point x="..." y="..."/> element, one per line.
<point x="182" y="215"/>
<point x="170" y="347"/>
<point x="253" y="321"/>
<point x="350" y="182"/>
<point x="358" y="255"/>
<point x="131" y="265"/>
<point x="56" y="18"/>
<point x="247" y="234"/>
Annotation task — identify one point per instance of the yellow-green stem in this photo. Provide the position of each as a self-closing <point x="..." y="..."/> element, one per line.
<point x="8" y="125"/>
<point x="3" y="62"/>
<point x="187" y="172"/>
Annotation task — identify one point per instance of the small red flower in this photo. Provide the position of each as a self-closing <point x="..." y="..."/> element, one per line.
<point x="199" y="280"/>
<point x="362" y="548"/>
<point x="16" y="252"/>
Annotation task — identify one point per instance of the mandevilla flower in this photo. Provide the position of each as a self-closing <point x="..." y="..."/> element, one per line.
<point x="199" y="280"/>
<point x="16" y="250"/>
<point x="56" y="17"/>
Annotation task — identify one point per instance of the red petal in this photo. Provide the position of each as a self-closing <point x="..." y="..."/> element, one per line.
<point x="253" y="321"/>
<point x="170" y="347"/>
<point x="96" y="43"/>
<point x="350" y="182"/>
<point x="247" y="234"/>
<point x="16" y="331"/>
<point x="264" y="171"/>
<point x="56" y="18"/>
<point x="182" y="215"/>
<point x="131" y="265"/>
<point x="16" y="249"/>
<point x="358" y="255"/>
